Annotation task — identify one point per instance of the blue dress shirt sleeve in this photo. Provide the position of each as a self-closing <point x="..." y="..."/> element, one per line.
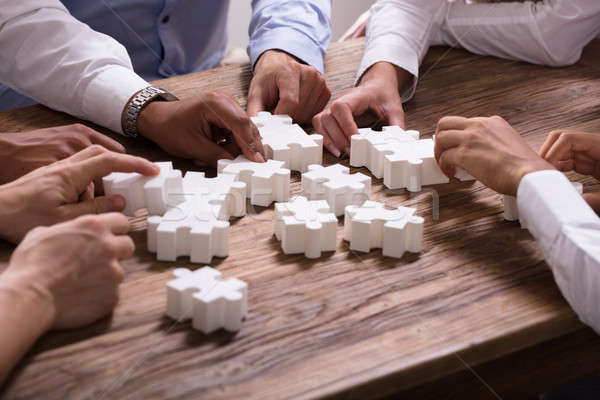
<point x="301" y="28"/>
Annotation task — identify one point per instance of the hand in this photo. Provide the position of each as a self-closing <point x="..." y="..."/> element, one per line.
<point x="64" y="190"/>
<point x="280" y="82"/>
<point x="207" y="128"/>
<point x="575" y="151"/>
<point x="375" y="101"/>
<point x="487" y="148"/>
<point x="23" y="152"/>
<point x="72" y="268"/>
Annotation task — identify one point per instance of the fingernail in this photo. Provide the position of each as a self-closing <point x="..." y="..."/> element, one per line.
<point x="116" y="203"/>
<point x="334" y="150"/>
<point x="260" y="157"/>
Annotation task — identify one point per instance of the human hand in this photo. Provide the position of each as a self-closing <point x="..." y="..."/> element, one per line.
<point x="72" y="268"/>
<point x="487" y="148"/>
<point x="23" y="152"/>
<point x="575" y="151"/>
<point x="64" y="190"/>
<point x="375" y="100"/>
<point x="282" y="83"/>
<point x="206" y="128"/>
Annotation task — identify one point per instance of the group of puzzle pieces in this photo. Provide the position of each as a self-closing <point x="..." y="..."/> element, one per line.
<point x="190" y="215"/>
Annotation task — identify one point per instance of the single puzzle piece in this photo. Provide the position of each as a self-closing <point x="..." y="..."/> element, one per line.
<point x="373" y="226"/>
<point x="151" y="192"/>
<point x="192" y="229"/>
<point x="305" y="226"/>
<point x="399" y="157"/>
<point x="265" y="182"/>
<point x="224" y="192"/>
<point x="336" y="185"/>
<point x="288" y="142"/>
<point x="211" y="302"/>
<point x="511" y="210"/>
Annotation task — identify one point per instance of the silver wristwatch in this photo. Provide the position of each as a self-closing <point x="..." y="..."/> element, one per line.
<point x="137" y="103"/>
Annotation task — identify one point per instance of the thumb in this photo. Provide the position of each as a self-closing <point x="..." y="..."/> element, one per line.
<point x="593" y="200"/>
<point x="98" y="205"/>
<point x="256" y="102"/>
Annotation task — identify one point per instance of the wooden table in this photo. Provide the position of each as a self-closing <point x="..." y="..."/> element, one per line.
<point x="476" y="314"/>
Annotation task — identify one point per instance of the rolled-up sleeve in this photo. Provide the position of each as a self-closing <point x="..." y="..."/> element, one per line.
<point x="568" y="232"/>
<point x="48" y="55"/>
<point x="300" y="28"/>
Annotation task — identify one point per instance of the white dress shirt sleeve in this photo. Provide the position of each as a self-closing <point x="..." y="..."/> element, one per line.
<point x="48" y="55"/>
<point x="568" y="232"/>
<point x="551" y="32"/>
<point x="399" y="32"/>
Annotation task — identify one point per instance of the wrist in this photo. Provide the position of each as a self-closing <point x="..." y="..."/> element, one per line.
<point x="25" y="297"/>
<point x="530" y="167"/>
<point x="152" y="118"/>
<point x="274" y="57"/>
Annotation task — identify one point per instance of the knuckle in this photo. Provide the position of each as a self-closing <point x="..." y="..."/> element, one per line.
<point x="97" y="149"/>
<point x="92" y="222"/>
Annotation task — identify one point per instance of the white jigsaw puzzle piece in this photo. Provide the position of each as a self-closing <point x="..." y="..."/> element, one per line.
<point x="288" y="142"/>
<point x="400" y="157"/>
<point x="511" y="209"/>
<point x="227" y="195"/>
<point x="211" y="303"/>
<point x="305" y="226"/>
<point x="151" y="192"/>
<point x="190" y="229"/>
<point x="373" y="226"/>
<point x="265" y="182"/>
<point x="336" y="185"/>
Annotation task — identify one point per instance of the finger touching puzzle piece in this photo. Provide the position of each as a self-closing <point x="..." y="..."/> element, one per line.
<point x="305" y="226"/>
<point x="336" y="185"/>
<point x="265" y="182"/>
<point x="288" y="142"/>
<point x="211" y="302"/>
<point x="373" y="226"/>
<point x="151" y="192"/>
<point x="400" y="157"/>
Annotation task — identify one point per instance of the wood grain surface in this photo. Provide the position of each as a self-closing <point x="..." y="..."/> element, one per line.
<point x="348" y="324"/>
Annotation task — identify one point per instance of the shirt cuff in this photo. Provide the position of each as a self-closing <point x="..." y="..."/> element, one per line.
<point x="108" y="93"/>
<point x="400" y="56"/>
<point x="547" y="202"/>
<point x="290" y="41"/>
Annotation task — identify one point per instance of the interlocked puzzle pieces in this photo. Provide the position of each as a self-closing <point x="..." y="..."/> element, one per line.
<point x="394" y="231"/>
<point x="210" y="302"/>
<point x="226" y="193"/>
<point x="141" y="191"/>
<point x="305" y="226"/>
<point x="336" y="185"/>
<point x="511" y="210"/>
<point x="190" y="229"/>
<point x="400" y="157"/>
<point x="265" y="182"/>
<point x="288" y="142"/>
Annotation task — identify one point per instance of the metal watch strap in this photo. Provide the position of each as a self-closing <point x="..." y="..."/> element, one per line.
<point x="137" y="104"/>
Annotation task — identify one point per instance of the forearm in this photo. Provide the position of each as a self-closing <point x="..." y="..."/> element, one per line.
<point x="399" y="32"/>
<point x="300" y="28"/>
<point x="24" y="318"/>
<point x="50" y="56"/>
<point x="551" y="33"/>
<point x="568" y="232"/>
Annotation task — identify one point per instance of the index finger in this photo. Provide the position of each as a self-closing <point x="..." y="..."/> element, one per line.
<point x="105" y="141"/>
<point x="451" y="123"/>
<point x="446" y="140"/>
<point x="98" y="166"/>
<point x="289" y="94"/>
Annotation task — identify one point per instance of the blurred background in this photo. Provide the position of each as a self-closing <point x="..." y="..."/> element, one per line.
<point x="343" y="14"/>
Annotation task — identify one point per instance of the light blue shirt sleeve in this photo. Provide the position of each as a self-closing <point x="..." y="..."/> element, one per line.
<point x="299" y="27"/>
